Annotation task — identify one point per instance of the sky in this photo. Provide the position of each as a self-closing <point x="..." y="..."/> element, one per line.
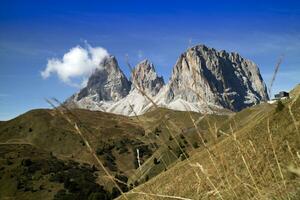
<point x="37" y="34"/>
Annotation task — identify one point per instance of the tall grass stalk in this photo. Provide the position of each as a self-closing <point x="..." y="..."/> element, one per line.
<point x="160" y="195"/>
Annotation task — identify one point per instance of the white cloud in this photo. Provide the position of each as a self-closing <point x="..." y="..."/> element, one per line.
<point x="77" y="63"/>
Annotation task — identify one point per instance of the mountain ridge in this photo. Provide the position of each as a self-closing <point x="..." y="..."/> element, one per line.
<point x="203" y="80"/>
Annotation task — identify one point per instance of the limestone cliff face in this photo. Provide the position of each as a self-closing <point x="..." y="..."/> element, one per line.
<point x="202" y="74"/>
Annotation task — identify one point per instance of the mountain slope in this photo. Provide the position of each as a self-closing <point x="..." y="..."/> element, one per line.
<point x="115" y="139"/>
<point x="255" y="159"/>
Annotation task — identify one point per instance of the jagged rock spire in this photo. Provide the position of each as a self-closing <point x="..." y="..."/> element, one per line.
<point x="145" y="77"/>
<point x="108" y="83"/>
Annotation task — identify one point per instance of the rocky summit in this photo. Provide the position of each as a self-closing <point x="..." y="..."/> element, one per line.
<point x="203" y="80"/>
<point x="204" y="75"/>
<point x="108" y="83"/>
<point x="145" y="77"/>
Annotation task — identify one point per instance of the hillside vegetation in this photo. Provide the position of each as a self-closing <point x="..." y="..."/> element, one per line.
<point x="57" y="153"/>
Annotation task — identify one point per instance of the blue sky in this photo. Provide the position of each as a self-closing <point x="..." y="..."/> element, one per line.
<point x="31" y="32"/>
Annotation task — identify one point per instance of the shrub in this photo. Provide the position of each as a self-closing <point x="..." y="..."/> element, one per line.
<point x="146" y="178"/>
<point x="99" y="151"/>
<point x="157" y="130"/>
<point x="178" y="152"/>
<point x="110" y="161"/>
<point x="184" y="156"/>
<point x="82" y="143"/>
<point x="71" y="185"/>
<point x="123" y="182"/>
<point x="104" y="148"/>
<point x="144" y="150"/>
<point x="195" y="145"/>
<point x="185" y="142"/>
<point x="155" y="161"/>
<point x="94" y="168"/>
<point x="115" y="192"/>
<point x="136" y="183"/>
<point x="181" y="145"/>
<point x="26" y="162"/>
<point x="121" y="177"/>
<point x="119" y="144"/>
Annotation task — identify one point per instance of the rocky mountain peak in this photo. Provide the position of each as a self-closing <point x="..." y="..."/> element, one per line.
<point x="145" y="77"/>
<point x="107" y="83"/>
<point x="204" y="75"/>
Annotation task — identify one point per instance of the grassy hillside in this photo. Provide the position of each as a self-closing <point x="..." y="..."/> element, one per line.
<point x="256" y="158"/>
<point x="253" y="154"/>
<point x="114" y="138"/>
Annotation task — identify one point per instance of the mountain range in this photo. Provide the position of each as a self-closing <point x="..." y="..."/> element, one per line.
<point x="202" y="80"/>
<point x="251" y="153"/>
